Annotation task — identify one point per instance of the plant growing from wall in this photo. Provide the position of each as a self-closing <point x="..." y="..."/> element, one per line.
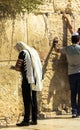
<point x="13" y="7"/>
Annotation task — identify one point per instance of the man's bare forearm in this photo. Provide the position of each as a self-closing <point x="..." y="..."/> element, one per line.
<point x="68" y="23"/>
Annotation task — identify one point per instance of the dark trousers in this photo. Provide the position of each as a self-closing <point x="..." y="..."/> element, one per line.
<point x="30" y="101"/>
<point x="74" y="81"/>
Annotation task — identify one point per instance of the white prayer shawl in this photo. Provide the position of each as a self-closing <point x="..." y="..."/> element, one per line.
<point x="37" y="70"/>
<point x="37" y="67"/>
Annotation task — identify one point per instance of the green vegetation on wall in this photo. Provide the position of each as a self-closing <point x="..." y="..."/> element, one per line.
<point x="13" y="7"/>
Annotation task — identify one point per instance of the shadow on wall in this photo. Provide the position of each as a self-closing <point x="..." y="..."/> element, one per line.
<point x="59" y="88"/>
<point x="59" y="85"/>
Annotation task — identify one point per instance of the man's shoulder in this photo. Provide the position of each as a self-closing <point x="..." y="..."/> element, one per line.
<point x="21" y="54"/>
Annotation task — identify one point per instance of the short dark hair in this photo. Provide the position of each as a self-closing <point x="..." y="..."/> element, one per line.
<point x="75" y="39"/>
<point x="78" y="29"/>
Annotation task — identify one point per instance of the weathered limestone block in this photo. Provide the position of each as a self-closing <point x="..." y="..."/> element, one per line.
<point x="9" y="95"/>
<point x="73" y="7"/>
<point x="37" y="34"/>
<point x="8" y="36"/>
<point x="59" y="5"/>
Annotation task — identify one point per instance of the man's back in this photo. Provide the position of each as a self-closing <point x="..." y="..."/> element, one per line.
<point x="73" y="57"/>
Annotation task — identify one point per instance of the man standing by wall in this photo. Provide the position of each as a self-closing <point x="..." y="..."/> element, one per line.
<point x="29" y="65"/>
<point x="72" y="53"/>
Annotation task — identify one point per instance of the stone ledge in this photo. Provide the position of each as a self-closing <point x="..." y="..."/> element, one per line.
<point x="4" y="119"/>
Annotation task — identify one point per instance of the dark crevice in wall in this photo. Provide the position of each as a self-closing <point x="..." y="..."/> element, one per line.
<point x="13" y="28"/>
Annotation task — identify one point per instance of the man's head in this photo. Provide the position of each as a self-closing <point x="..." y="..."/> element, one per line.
<point x="20" y="46"/>
<point x="75" y="38"/>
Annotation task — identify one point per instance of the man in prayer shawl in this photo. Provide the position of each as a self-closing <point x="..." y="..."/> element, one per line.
<point x="29" y="65"/>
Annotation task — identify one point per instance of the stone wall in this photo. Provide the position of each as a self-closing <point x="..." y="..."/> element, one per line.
<point x="38" y="30"/>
